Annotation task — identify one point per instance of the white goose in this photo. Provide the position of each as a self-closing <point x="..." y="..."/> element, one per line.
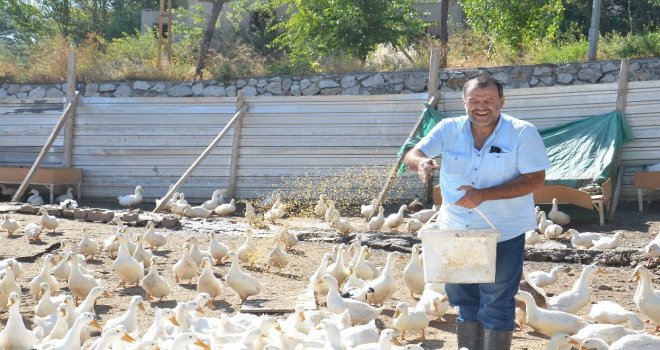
<point x="610" y="312"/>
<point x="250" y="213"/>
<point x="130" y="200"/>
<point x="393" y="221"/>
<point x="359" y="312"/>
<point x="7" y="191"/>
<point x="549" y="322"/>
<point x="377" y="221"/>
<point x="216" y="199"/>
<point x="242" y="283"/>
<point x="35" y="198"/>
<point x="44" y="276"/>
<point x="59" y="329"/>
<point x="384" y="285"/>
<point x="578" y="296"/>
<point x="129" y="318"/>
<point x="646" y="298"/>
<point x="553" y="231"/>
<point x="16" y="335"/>
<point x="413" y="273"/>
<point x="413" y="225"/>
<point x="557" y="216"/>
<point x="543" y="222"/>
<point x="542" y="279"/>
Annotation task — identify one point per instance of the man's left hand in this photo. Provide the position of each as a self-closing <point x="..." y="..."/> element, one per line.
<point x="471" y="199"/>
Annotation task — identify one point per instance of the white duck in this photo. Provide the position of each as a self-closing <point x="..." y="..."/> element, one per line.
<point x="583" y="239"/>
<point x="153" y="284"/>
<point x="242" y="283"/>
<point x="129" y="270"/>
<point x="17" y="266"/>
<point x="433" y="301"/>
<point x="168" y="204"/>
<point x="140" y="254"/>
<point x="277" y="258"/>
<point x="331" y="212"/>
<point x="411" y="320"/>
<point x="15" y="335"/>
<point x="10" y="225"/>
<point x="320" y="207"/>
<point x="195" y="212"/>
<point x="196" y="253"/>
<point x="394" y="220"/>
<point x="129" y="318"/>
<point x="8" y="286"/>
<point x="342" y="225"/>
<point x="88" y="304"/>
<point x="629" y="342"/>
<point x="607" y="332"/>
<point x="338" y="268"/>
<point x="609" y="242"/>
<point x="384" y="341"/>
<point x="7" y="191"/>
<point x="652" y="249"/>
<point x="48" y="222"/>
<point x="208" y="283"/>
<point x="65" y="196"/>
<point x="87" y="246"/>
<point x="363" y="268"/>
<point x="247" y="251"/>
<point x="368" y="210"/>
<point x="71" y="340"/>
<point x="557" y="216"/>
<point x="543" y="222"/>
<point x="553" y="231"/>
<point x="542" y="278"/>
<point x="35" y="198"/>
<point x="217" y="249"/>
<point x="44" y="276"/>
<point x="216" y="199"/>
<point x="359" y="312"/>
<point x="288" y="239"/>
<point x="425" y="215"/>
<point x="226" y="209"/>
<point x="130" y="200"/>
<point x="177" y="206"/>
<point x="532" y="237"/>
<point x="250" y="213"/>
<point x="69" y="204"/>
<point x="384" y="285"/>
<point x="377" y="221"/>
<point x="610" y="312"/>
<point x="646" y="298"/>
<point x="549" y="322"/>
<point x="316" y="283"/>
<point x="47" y="304"/>
<point x="578" y="296"/>
<point x="413" y="273"/>
<point x="111" y="338"/>
<point x="80" y="284"/>
<point x="157" y="330"/>
<point x="59" y="329"/>
<point x="153" y="238"/>
<point x="353" y="283"/>
<point x="413" y="225"/>
<point x="185" y="268"/>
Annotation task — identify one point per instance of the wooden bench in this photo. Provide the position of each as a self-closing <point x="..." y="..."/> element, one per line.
<point x="645" y="181"/>
<point x="568" y="195"/>
<point x="48" y="177"/>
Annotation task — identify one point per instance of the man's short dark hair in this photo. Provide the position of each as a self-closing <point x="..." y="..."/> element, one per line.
<point x="483" y="82"/>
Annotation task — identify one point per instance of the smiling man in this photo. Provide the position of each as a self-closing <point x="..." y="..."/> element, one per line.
<point x="494" y="162"/>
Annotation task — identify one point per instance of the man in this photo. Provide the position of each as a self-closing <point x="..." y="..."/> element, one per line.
<point x="492" y="161"/>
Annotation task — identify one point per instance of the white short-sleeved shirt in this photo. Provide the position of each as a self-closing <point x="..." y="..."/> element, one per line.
<point x="514" y="148"/>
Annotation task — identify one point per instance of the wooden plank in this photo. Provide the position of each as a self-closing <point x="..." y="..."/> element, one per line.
<point x="235" y="148"/>
<point x="68" y="111"/>
<point x="69" y="125"/>
<point x="434" y="67"/>
<point x="622" y="92"/>
<point x="201" y="158"/>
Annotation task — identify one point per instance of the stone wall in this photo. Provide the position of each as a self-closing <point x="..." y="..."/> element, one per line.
<point x="367" y="83"/>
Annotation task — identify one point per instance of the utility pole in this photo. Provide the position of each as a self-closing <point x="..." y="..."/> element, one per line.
<point x="594" y="30"/>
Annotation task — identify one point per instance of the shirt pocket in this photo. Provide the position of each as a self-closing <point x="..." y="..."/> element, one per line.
<point x="502" y="163"/>
<point x="454" y="164"/>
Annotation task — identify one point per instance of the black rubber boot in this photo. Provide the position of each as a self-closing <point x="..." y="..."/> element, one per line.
<point x="470" y="335"/>
<point x="497" y="340"/>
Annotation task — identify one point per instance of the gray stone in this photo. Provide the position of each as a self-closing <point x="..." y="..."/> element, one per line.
<point x="252" y="82"/>
<point x="3" y="93"/>
<point x="305" y="83"/>
<point x="610" y="78"/>
<point x="365" y="92"/>
<point x="262" y="83"/>
<point x="633" y="67"/>
<point x="249" y="90"/>
<point x="502" y="77"/>
<point x="274" y="87"/>
<point x="564" y="78"/>
<point x="295" y="90"/>
<point x="26" y="88"/>
<point x="140" y="85"/>
<point x="640" y="75"/>
<point x="170" y="221"/>
<point x="13" y="88"/>
<point x="197" y="89"/>
<point x="54" y="93"/>
<point x="456" y="83"/>
<point x="610" y="67"/>
<point x="398" y="87"/>
<point x="415" y="82"/>
<point x="313" y="89"/>
<point x="533" y="81"/>
<point x="542" y="70"/>
<point x="39" y="92"/>
<point x="567" y="68"/>
<point x="374" y="80"/>
<point x="547" y="81"/>
<point x="124" y="91"/>
<point x="158" y="87"/>
<point x="181" y="90"/>
<point x="331" y="91"/>
<point x="230" y="91"/>
<point x="286" y="85"/>
<point x="353" y="90"/>
<point x="240" y="83"/>
<point x="326" y="83"/>
<point x="213" y="90"/>
<point x="267" y="94"/>
<point x="21" y="95"/>
<point x="91" y="89"/>
<point x="521" y="74"/>
<point x="348" y="81"/>
<point x="590" y="74"/>
<point x="394" y="78"/>
<point x="107" y="87"/>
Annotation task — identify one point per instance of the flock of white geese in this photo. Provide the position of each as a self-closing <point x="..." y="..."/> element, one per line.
<point x="352" y="291"/>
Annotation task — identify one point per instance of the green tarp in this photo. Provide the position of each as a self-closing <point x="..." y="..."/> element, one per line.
<point x="581" y="151"/>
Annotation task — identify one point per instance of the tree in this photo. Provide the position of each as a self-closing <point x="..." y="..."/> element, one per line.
<point x="316" y="28"/>
<point x="208" y="35"/>
<point x="622" y="16"/>
<point x="20" y="23"/>
<point x="515" y="23"/>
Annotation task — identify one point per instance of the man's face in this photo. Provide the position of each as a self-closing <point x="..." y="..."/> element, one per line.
<point x="483" y="105"/>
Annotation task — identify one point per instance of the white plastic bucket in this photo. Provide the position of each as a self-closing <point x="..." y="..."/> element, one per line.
<point x="459" y="256"/>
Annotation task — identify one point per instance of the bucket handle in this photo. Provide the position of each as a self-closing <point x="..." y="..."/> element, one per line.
<point x="475" y="209"/>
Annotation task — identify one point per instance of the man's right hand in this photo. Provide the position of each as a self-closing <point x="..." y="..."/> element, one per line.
<point x="425" y="169"/>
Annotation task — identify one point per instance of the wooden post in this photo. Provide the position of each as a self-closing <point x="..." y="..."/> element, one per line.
<point x="433" y="72"/>
<point x="68" y="111"/>
<point x="235" y="148"/>
<point x="388" y="183"/>
<point x="68" y="127"/>
<point x="201" y="157"/>
<point x="621" y="101"/>
<point x="160" y="30"/>
<point x="444" y="33"/>
<point x="594" y="30"/>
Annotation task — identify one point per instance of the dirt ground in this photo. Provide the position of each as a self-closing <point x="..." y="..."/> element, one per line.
<point x="284" y="286"/>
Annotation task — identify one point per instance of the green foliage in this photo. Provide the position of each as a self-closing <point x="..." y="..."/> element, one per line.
<point x="21" y="23"/>
<point x="317" y="28"/>
<point x="646" y="45"/>
<point x="616" y="16"/>
<point x="518" y="24"/>
<point x="188" y="34"/>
